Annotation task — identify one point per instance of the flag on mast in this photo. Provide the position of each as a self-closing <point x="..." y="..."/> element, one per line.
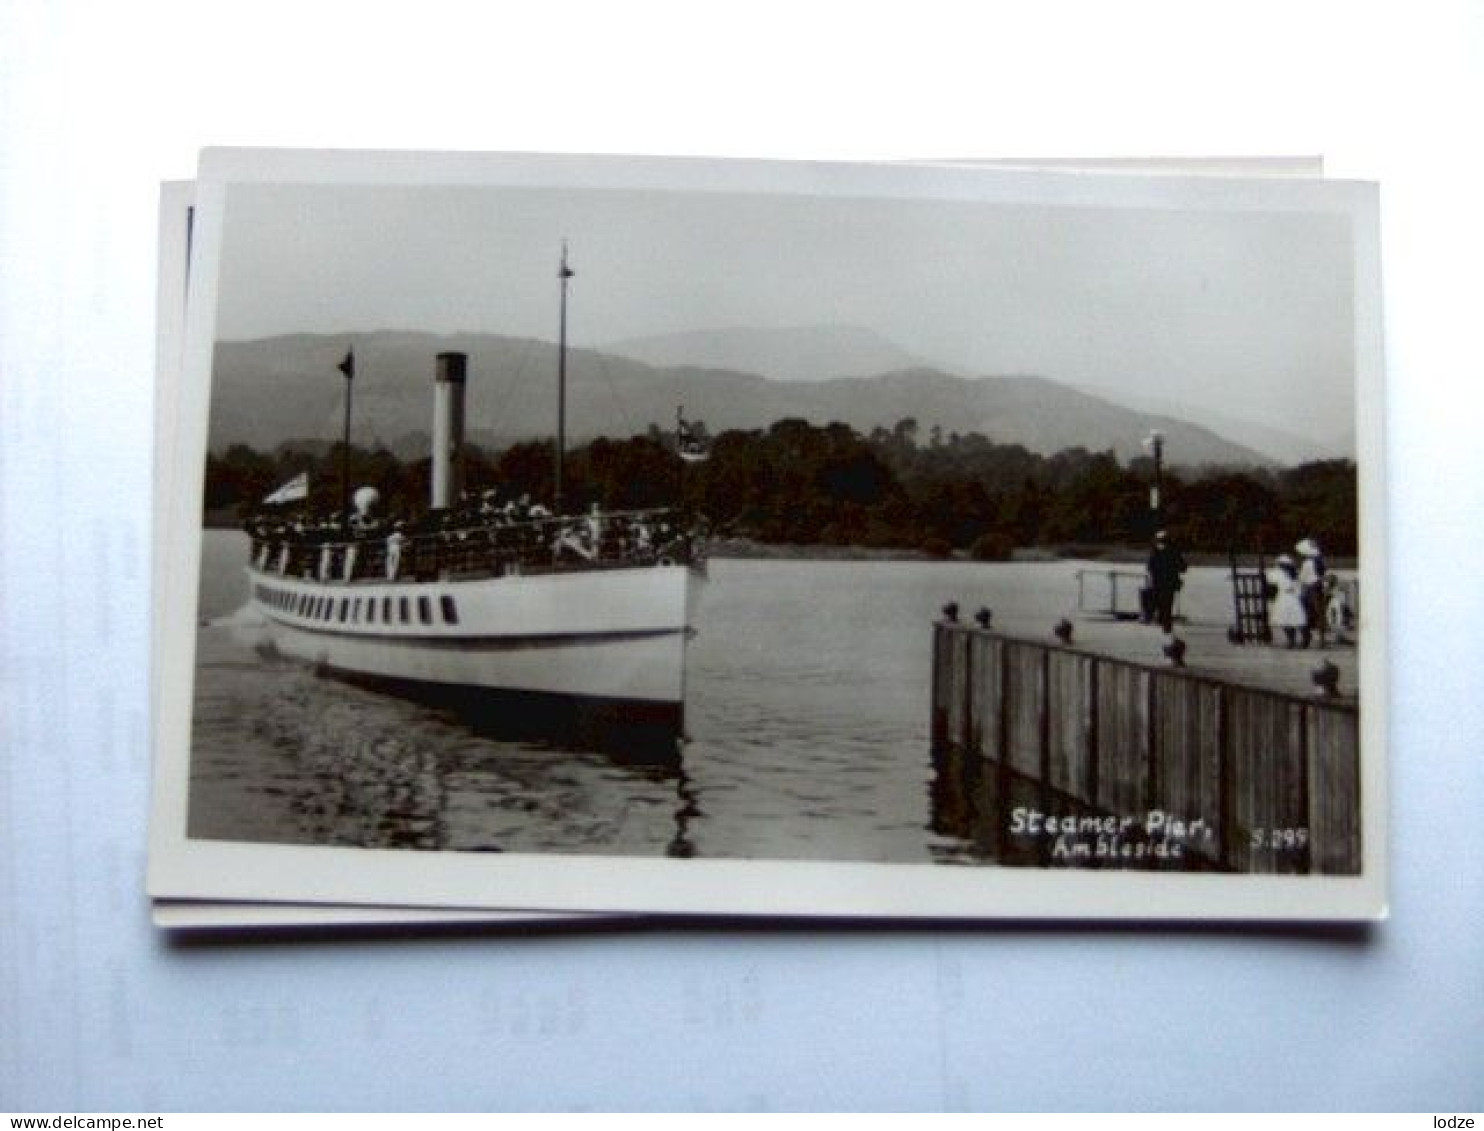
<point x="348" y="366"/>
<point x="294" y="490"/>
<point x="690" y="442"/>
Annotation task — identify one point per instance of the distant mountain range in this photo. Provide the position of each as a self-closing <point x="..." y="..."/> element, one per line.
<point x="815" y="353"/>
<point x="273" y="390"/>
<point x="1280" y="444"/>
<point x="788" y="353"/>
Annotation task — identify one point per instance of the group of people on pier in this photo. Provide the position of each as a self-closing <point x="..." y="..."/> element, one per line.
<point x="479" y="536"/>
<point x="1305" y="600"/>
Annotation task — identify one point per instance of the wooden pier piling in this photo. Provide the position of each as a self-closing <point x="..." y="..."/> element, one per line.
<point x="1239" y="778"/>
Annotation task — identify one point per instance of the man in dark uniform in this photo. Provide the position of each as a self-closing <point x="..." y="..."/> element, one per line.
<point x="1165" y="566"/>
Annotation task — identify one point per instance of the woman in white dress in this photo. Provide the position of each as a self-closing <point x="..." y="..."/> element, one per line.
<point x="1287" y="610"/>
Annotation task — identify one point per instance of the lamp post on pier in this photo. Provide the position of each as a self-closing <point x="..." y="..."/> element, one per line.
<point x="1155" y="444"/>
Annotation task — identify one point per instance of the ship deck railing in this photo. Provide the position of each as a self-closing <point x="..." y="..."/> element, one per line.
<point x="486" y="547"/>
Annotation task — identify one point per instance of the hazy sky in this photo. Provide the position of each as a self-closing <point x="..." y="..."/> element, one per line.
<point x="1248" y="313"/>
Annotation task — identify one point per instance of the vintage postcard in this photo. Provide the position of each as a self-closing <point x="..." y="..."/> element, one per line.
<point x="744" y="538"/>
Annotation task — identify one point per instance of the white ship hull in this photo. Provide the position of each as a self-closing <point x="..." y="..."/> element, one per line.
<point x="616" y="635"/>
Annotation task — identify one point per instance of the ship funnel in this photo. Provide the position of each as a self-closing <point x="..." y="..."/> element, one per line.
<point x="448" y="428"/>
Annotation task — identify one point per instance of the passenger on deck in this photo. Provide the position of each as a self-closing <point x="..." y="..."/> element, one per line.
<point x="575" y="538"/>
<point x="394" y="551"/>
<point x="642" y="542"/>
<point x="594" y="529"/>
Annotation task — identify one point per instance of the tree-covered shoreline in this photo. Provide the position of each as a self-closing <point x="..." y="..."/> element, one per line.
<point x="889" y="492"/>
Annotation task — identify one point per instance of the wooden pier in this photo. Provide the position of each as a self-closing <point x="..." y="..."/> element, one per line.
<point x="1078" y="756"/>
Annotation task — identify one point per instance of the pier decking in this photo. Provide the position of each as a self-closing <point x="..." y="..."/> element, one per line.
<point x="1100" y="752"/>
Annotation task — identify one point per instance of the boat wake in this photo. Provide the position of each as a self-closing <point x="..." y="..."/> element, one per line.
<point x="247" y="627"/>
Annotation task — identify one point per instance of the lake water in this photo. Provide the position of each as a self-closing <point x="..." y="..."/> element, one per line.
<point x="807" y="720"/>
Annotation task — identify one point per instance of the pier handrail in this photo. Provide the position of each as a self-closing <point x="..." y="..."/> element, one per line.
<point x="1113" y="575"/>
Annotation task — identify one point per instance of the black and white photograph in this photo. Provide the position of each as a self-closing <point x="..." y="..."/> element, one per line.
<point x="628" y="535"/>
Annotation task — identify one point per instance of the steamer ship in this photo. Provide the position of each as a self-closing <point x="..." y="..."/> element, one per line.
<point x="586" y="613"/>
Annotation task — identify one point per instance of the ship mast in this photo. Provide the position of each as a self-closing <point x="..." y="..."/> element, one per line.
<point x="564" y="273"/>
<point x="347" y="367"/>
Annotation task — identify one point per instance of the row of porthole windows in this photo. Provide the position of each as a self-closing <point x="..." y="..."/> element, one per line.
<point x="358" y="610"/>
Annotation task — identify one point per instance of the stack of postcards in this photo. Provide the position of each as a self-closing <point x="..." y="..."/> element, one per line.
<point x="548" y="537"/>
